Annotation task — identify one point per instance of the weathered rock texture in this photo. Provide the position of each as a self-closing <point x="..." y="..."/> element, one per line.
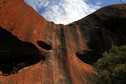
<point x="35" y="51"/>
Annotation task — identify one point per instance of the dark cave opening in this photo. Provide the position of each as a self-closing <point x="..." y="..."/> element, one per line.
<point x="44" y="45"/>
<point x="88" y="57"/>
<point x="16" y="54"/>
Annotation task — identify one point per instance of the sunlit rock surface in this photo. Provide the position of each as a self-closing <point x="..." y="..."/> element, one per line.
<point x="35" y="51"/>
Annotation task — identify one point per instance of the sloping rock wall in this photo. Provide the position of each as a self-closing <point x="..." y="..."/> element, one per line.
<point x="36" y="51"/>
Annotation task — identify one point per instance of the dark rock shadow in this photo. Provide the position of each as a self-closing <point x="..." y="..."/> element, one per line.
<point x="88" y="57"/>
<point x="16" y="54"/>
<point x="44" y="45"/>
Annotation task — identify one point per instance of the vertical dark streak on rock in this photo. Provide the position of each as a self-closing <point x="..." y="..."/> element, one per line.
<point x="75" y="35"/>
<point x="57" y="37"/>
<point x="63" y="48"/>
<point x="68" y="32"/>
<point x="50" y="28"/>
<point x="48" y="33"/>
<point x="62" y="58"/>
<point x="45" y="37"/>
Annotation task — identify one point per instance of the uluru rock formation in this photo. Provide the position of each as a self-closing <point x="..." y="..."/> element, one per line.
<point x="36" y="51"/>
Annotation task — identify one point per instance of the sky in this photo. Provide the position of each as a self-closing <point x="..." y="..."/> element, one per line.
<point x="68" y="11"/>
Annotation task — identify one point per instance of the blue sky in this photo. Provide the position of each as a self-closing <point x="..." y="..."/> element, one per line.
<point x="106" y="2"/>
<point x="68" y="11"/>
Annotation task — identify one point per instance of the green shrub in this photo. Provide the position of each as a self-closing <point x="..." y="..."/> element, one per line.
<point x="111" y="67"/>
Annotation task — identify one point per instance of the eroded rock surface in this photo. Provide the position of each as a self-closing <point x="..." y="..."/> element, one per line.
<point x="35" y="51"/>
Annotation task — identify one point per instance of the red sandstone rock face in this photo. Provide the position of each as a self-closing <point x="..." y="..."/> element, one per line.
<point x="35" y="51"/>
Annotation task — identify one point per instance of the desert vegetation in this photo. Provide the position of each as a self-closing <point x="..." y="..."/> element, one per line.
<point x="111" y="67"/>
